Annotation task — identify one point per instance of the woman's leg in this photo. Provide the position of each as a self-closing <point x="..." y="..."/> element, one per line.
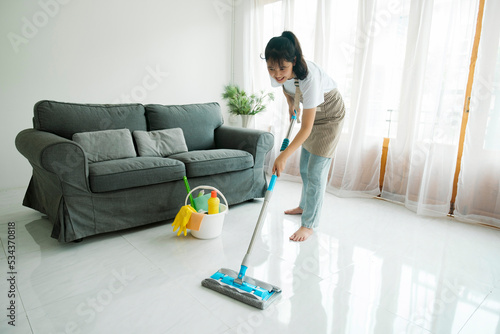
<point x="314" y="171"/>
<point x="317" y="175"/>
<point x="304" y="162"/>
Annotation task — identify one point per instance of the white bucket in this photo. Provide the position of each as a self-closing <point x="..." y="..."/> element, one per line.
<point x="211" y="225"/>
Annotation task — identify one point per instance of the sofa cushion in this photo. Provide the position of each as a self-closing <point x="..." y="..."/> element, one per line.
<point x="106" y="145"/>
<point x="160" y="143"/>
<point x="133" y="172"/>
<point x="66" y="119"/>
<point x="197" y="121"/>
<point x="211" y="162"/>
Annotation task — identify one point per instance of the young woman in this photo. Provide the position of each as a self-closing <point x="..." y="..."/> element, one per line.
<point x="322" y="119"/>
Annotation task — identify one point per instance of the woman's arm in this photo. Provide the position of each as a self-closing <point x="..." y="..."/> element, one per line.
<point x="304" y="132"/>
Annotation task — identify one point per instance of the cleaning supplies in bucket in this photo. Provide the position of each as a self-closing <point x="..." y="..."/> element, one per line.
<point x="187" y="218"/>
<point x="210" y="225"/>
<point x="213" y="203"/>
<point x="201" y="201"/>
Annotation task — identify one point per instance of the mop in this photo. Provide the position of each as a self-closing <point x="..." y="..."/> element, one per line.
<point x="238" y="286"/>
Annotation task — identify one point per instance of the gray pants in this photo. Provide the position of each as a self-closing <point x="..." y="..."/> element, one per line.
<point x="314" y="172"/>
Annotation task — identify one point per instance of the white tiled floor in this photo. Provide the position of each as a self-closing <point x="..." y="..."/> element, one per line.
<point x="371" y="267"/>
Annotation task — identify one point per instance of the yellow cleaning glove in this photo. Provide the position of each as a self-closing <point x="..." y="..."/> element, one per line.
<point x="182" y="219"/>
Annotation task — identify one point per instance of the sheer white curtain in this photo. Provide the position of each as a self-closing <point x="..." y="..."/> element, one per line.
<point x="372" y="52"/>
<point x="422" y="156"/>
<point x="478" y="196"/>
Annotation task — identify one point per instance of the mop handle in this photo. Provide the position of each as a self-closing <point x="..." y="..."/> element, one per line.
<point x="267" y="198"/>
<point x="269" y="192"/>
<point x="286" y="141"/>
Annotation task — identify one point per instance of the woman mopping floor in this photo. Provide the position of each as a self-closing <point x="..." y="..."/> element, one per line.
<point x="322" y="120"/>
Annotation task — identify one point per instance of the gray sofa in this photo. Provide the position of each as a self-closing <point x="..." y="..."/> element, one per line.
<point x="83" y="196"/>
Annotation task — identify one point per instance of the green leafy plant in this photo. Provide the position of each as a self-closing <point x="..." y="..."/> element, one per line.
<point x="240" y="103"/>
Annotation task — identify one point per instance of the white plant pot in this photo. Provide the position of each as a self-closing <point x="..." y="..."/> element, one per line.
<point x="245" y="120"/>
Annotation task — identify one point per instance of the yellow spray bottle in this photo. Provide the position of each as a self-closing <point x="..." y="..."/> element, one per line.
<point x="213" y="203"/>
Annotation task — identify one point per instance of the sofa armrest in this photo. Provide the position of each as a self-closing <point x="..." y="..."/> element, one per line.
<point x="52" y="153"/>
<point x="255" y="142"/>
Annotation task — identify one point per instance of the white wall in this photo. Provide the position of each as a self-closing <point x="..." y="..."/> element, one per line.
<point x="97" y="51"/>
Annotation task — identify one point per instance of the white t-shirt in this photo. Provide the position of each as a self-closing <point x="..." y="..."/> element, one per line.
<point x="313" y="87"/>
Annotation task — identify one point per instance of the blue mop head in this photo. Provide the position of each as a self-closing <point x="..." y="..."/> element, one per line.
<point x="252" y="291"/>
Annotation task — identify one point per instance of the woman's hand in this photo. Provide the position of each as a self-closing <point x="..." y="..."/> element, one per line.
<point x="291" y="111"/>
<point x="279" y="164"/>
<point x="300" y="137"/>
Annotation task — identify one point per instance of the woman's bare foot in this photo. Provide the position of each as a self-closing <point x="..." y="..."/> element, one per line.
<point x="296" y="211"/>
<point x="301" y="234"/>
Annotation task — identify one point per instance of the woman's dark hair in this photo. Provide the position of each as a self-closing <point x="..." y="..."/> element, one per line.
<point x="287" y="47"/>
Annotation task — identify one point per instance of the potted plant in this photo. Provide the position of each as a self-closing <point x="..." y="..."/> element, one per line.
<point x="240" y="103"/>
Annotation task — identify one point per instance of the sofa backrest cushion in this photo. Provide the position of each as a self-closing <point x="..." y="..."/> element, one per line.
<point x="65" y="119"/>
<point x="197" y="121"/>
<point x="160" y="143"/>
<point x="106" y="144"/>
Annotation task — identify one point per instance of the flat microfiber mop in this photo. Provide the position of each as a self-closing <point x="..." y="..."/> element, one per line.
<point x="238" y="286"/>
